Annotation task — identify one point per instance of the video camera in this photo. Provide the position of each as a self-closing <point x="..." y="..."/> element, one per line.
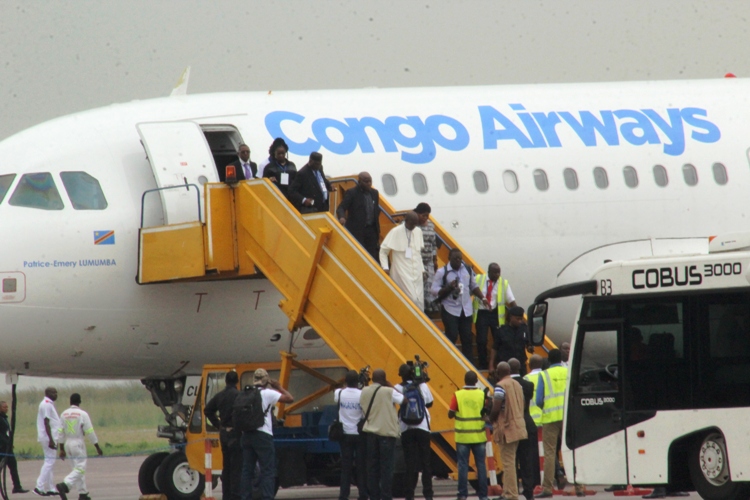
<point x="418" y="370"/>
<point x="364" y="377"/>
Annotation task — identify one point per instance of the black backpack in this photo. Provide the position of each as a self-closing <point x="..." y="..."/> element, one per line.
<point x="440" y="299"/>
<point x="247" y="411"/>
<point x="412" y="410"/>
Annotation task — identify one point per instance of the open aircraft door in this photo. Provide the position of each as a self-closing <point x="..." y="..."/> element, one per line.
<point x="179" y="156"/>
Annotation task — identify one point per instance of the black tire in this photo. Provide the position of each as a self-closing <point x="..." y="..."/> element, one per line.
<point x="709" y="470"/>
<point x="178" y="481"/>
<point x="147" y="474"/>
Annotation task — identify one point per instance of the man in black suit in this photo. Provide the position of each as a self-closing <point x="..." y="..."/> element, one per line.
<point x="246" y="169"/>
<point x="359" y="212"/>
<point x="527" y="455"/>
<point x="6" y="448"/>
<point x="309" y="189"/>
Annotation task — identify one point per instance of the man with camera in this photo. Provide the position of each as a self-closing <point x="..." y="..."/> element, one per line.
<point x="454" y="285"/>
<point x="415" y="436"/>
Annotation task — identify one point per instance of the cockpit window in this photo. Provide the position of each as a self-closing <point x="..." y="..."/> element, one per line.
<point x="37" y="191"/>
<point x="5" y="182"/>
<point x="84" y="191"/>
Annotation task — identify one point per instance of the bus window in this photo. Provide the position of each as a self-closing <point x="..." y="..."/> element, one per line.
<point x="597" y="368"/>
<point x="214" y="385"/>
<point x="656" y="365"/>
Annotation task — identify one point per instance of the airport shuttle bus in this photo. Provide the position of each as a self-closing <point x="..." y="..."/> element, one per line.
<point x="659" y="384"/>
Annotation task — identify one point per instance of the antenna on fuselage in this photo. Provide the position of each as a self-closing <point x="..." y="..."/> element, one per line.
<point x="181" y="86"/>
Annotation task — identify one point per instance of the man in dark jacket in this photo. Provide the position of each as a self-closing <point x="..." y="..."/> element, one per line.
<point x="6" y="448"/>
<point x="359" y="212"/>
<point x="245" y="169"/>
<point x="512" y="340"/>
<point x="309" y="190"/>
<point x="527" y="455"/>
<point x="231" y="448"/>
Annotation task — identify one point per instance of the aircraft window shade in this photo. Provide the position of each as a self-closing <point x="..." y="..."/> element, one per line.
<point x="420" y="183"/>
<point x="480" y="182"/>
<point x="389" y="184"/>
<point x="5" y="182"/>
<point x="540" y="180"/>
<point x="690" y="174"/>
<point x="660" y="176"/>
<point x="600" y="178"/>
<point x="720" y="175"/>
<point x="510" y="181"/>
<point x="450" y="182"/>
<point x="631" y="177"/>
<point x="37" y="191"/>
<point x="571" y="179"/>
<point x="84" y="191"/>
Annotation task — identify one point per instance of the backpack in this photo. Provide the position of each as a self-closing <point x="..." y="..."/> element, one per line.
<point x="247" y="410"/>
<point x="412" y="410"/>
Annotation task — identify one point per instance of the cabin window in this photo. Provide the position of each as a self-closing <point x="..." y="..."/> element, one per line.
<point x="480" y="182"/>
<point x="720" y="175"/>
<point x="450" y="182"/>
<point x="631" y="177"/>
<point x="540" y="180"/>
<point x="600" y="178"/>
<point x="84" y="191"/>
<point x="389" y="184"/>
<point x="5" y="182"/>
<point x="660" y="176"/>
<point x="690" y="174"/>
<point x="420" y="183"/>
<point x="37" y="191"/>
<point x="510" y="181"/>
<point x="571" y="179"/>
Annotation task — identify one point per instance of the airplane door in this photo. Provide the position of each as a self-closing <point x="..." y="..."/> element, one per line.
<point x="179" y="155"/>
<point x="594" y="426"/>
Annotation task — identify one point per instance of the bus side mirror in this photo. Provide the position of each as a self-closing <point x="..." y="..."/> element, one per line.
<point x="538" y="315"/>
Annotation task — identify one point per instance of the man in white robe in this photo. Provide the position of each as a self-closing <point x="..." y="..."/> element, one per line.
<point x="404" y="244"/>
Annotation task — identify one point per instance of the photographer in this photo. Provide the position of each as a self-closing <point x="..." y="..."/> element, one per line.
<point x="454" y="285"/>
<point x="415" y="437"/>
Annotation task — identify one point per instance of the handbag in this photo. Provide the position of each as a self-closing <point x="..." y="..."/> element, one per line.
<point x="336" y="429"/>
<point x="361" y="423"/>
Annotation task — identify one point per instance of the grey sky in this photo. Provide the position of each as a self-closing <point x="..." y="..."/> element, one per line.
<point x="59" y="57"/>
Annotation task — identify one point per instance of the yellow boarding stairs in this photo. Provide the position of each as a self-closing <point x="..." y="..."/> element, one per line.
<point x="328" y="280"/>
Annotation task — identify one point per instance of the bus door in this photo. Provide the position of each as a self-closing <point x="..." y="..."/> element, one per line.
<point x="594" y="426"/>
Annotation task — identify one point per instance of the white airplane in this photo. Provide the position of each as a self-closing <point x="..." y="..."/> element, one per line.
<point x="547" y="180"/>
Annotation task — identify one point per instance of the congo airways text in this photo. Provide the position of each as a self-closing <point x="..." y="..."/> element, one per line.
<point x="514" y="125"/>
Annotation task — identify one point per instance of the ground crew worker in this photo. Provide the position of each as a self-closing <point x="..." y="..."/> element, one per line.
<point x="76" y="425"/>
<point x="535" y="365"/>
<point x="550" y="397"/>
<point x="229" y="437"/>
<point x="468" y="408"/>
<point x="490" y="315"/>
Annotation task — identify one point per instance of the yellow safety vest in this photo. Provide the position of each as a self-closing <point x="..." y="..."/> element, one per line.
<point x="534" y="410"/>
<point x="502" y="284"/>
<point x="469" y="421"/>
<point x="554" y="393"/>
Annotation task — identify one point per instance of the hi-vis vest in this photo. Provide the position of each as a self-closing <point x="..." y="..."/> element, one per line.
<point x="534" y="410"/>
<point x="554" y="393"/>
<point x="481" y="280"/>
<point x="469" y="421"/>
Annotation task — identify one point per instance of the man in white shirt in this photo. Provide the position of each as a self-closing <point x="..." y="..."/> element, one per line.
<point x="404" y="244"/>
<point x="415" y="439"/>
<point x="490" y="315"/>
<point x="76" y="425"/>
<point x="454" y="285"/>
<point x="257" y="445"/>
<point x="47" y="427"/>
<point x="354" y="444"/>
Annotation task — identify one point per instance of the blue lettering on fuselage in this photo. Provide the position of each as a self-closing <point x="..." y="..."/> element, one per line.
<point x="418" y="139"/>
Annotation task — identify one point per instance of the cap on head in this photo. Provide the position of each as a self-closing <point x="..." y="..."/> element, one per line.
<point x="260" y="377"/>
<point x="75" y="399"/>
<point x="516" y="311"/>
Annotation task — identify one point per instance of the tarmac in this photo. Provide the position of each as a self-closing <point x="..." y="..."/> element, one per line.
<point x="116" y="478"/>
